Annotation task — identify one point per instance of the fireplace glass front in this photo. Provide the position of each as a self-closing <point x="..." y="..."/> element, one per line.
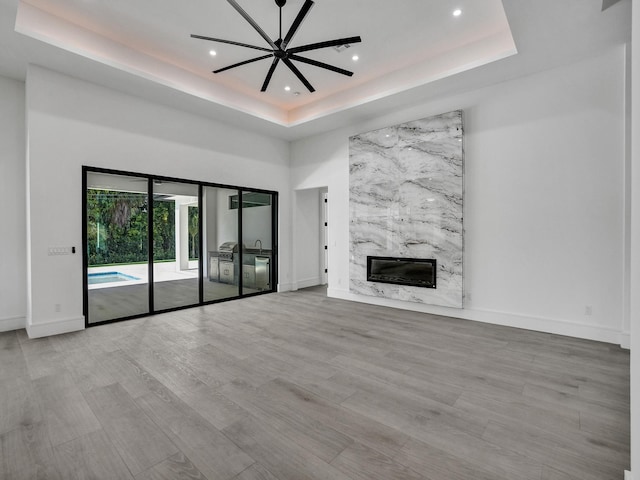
<point x="415" y="272"/>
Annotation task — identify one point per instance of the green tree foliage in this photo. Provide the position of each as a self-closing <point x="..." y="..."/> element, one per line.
<point x="164" y="230"/>
<point x="117" y="228"/>
<point x="194" y="247"/>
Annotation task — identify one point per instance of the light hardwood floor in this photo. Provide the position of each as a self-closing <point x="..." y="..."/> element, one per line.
<point x="297" y="386"/>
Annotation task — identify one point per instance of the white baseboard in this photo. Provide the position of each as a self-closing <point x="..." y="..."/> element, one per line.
<point x="539" y="324"/>
<point x="627" y="475"/>
<point x="308" y="282"/>
<point x="285" y="287"/>
<point x="625" y="340"/>
<point x="55" y="327"/>
<point x="12" y="323"/>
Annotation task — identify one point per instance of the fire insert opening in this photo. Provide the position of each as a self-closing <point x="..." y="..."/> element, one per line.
<point x="415" y="272"/>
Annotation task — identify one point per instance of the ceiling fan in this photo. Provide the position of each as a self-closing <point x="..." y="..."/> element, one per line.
<point x="279" y="48"/>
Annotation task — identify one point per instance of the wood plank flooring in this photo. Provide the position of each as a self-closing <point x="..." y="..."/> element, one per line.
<point x="297" y="386"/>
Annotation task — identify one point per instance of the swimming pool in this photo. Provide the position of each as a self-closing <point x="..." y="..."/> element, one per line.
<point x="109" y="277"/>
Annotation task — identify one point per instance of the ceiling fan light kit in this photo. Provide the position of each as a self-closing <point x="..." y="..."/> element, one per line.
<point x="279" y="50"/>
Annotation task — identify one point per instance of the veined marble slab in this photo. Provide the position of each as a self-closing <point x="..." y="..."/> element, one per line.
<point x="406" y="190"/>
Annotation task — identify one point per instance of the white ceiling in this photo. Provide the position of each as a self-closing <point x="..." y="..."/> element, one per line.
<point x="411" y="49"/>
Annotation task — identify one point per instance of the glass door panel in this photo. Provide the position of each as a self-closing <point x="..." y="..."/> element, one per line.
<point x="220" y="244"/>
<point x="117" y="246"/>
<point x="257" y="234"/>
<point x="175" y="245"/>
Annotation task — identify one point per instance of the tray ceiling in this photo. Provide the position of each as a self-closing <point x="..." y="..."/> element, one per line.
<point x="404" y="45"/>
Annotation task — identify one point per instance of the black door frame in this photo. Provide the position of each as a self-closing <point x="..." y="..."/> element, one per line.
<point x="273" y="280"/>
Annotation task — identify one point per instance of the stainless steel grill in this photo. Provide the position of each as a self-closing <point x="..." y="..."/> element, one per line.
<point x="226" y="250"/>
<point x="222" y="263"/>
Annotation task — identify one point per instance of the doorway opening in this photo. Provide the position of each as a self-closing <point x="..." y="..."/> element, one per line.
<point x="311" y="245"/>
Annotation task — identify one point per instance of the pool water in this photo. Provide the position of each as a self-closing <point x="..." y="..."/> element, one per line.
<point x="109" y="277"/>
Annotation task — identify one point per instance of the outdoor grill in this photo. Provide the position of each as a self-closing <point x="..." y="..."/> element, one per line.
<point x="223" y="264"/>
<point x="226" y="250"/>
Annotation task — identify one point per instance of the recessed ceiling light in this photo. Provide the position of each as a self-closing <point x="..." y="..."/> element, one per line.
<point x="213" y="53"/>
<point x="287" y="88"/>
<point x="457" y="12"/>
<point x="355" y="58"/>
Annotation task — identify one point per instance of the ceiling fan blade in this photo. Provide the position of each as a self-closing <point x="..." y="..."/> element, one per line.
<point x="297" y="73"/>
<point x="270" y="74"/>
<point x="230" y="42"/>
<point x="321" y="65"/>
<point x="253" y="23"/>
<point x="297" y="22"/>
<point x="330" y="43"/>
<point x="243" y="63"/>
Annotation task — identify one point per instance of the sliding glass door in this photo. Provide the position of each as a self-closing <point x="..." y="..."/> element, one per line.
<point x="175" y="245"/>
<point x="220" y="240"/>
<point x="257" y="241"/>
<point x="117" y="246"/>
<point x="155" y="244"/>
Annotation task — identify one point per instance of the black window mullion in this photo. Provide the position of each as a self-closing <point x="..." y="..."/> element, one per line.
<point x="273" y="269"/>
<point x="240" y="245"/>
<point x="85" y="252"/>
<point x="201" y="245"/>
<point x="150" y="240"/>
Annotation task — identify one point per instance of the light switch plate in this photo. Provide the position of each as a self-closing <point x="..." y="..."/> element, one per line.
<point x="59" y="251"/>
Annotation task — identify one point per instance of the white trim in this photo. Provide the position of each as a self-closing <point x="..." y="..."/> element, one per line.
<point x="627" y="475"/>
<point x="324" y="235"/>
<point x="55" y="327"/>
<point x="12" y="323"/>
<point x="308" y="282"/>
<point x="625" y="340"/>
<point x="507" y="319"/>
<point x="286" y="287"/>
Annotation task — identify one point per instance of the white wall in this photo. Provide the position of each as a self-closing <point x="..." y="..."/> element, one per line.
<point x="544" y="158"/>
<point x="307" y="238"/>
<point x="12" y="226"/>
<point x="73" y="123"/>
<point x="634" y="307"/>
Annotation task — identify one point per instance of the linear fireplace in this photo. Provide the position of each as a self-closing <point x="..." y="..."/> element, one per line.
<point x="415" y="272"/>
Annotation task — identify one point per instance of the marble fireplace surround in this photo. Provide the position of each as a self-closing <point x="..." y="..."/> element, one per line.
<point x="405" y="200"/>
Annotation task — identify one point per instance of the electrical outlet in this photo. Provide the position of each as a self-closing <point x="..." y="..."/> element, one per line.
<point x="588" y="310"/>
<point x="57" y="307"/>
